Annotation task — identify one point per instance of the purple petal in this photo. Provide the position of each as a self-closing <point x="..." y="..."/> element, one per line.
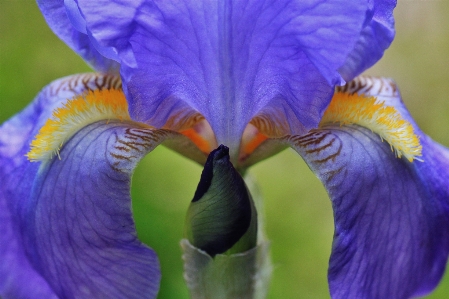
<point x="79" y="232"/>
<point x="18" y="279"/>
<point x="15" y="135"/>
<point x="374" y="39"/>
<point x="391" y="216"/>
<point x="68" y="24"/>
<point x="391" y="225"/>
<point x="228" y="60"/>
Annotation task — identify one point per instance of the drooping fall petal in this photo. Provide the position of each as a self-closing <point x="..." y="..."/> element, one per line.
<point x="391" y="215"/>
<point x="67" y="226"/>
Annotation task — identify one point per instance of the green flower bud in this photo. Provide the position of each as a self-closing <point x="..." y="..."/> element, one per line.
<point x="221" y="217"/>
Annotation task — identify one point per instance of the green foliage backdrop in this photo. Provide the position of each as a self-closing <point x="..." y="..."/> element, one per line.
<point x="298" y="213"/>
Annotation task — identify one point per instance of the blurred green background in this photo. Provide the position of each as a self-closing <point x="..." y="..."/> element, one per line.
<point x="298" y="213"/>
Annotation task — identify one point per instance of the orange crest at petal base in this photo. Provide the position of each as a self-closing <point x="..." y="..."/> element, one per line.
<point x="348" y="109"/>
<point x="93" y="106"/>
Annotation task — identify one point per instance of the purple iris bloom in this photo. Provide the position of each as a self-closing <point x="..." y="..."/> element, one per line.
<point x="256" y="76"/>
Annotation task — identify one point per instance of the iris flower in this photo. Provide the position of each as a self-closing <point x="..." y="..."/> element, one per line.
<point x="255" y="76"/>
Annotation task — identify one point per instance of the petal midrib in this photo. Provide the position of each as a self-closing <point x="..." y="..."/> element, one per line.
<point x="229" y="106"/>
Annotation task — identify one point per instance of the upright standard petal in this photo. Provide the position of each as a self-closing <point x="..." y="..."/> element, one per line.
<point x="375" y="38"/>
<point x="228" y="60"/>
<point x="391" y="215"/>
<point x="64" y="19"/>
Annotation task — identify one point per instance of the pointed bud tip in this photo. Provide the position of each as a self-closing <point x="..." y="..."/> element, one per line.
<point x="220" y="152"/>
<point x="206" y="176"/>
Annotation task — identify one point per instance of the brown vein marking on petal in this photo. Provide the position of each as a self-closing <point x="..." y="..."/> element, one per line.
<point x="329" y="175"/>
<point x="319" y="146"/>
<point x="141" y="140"/>
<point x="134" y="143"/>
<point x="122" y="148"/>
<point x="146" y="135"/>
<point x="78" y="84"/>
<point x="270" y="127"/>
<point x="333" y="156"/>
<point x="373" y="86"/>
<point x="128" y="144"/>
<point x="121" y="157"/>
<point x="181" y="121"/>
<point x="308" y="139"/>
<point x="317" y="150"/>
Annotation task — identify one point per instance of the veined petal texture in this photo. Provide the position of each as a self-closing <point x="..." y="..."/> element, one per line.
<point x="391" y="223"/>
<point x="79" y="229"/>
<point x="55" y="238"/>
<point x="228" y="59"/>
<point x="391" y="216"/>
<point x="18" y="279"/>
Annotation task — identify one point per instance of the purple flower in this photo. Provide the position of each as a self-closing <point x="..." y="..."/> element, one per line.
<point x="256" y="76"/>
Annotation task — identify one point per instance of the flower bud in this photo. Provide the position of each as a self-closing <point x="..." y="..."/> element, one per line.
<point x="221" y="217"/>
